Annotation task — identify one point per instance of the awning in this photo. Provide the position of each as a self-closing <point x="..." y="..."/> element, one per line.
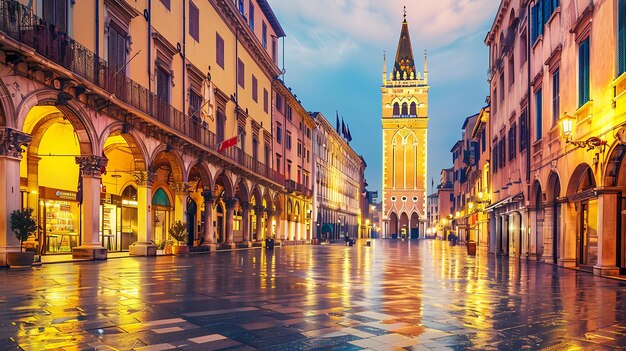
<point x="508" y="200"/>
<point x="327" y="228"/>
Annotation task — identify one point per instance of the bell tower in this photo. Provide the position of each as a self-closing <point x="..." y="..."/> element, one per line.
<point x="405" y="146"/>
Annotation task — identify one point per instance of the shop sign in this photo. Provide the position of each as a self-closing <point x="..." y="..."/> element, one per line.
<point x="66" y="195"/>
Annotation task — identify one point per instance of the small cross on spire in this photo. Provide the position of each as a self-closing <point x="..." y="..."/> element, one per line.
<point x="404" y="13"/>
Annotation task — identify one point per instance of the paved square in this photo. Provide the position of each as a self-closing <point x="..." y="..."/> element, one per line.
<point x="394" y="295"/>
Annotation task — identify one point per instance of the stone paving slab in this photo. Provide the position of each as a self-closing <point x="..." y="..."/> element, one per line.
<point x="417" y="295"/>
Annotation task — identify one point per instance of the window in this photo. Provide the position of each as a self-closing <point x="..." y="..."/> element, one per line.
<point x="523" y="130"/>
<point x="583" y="72"/>
<point x="405" y="109"/>
<point x="512" y="142"/>
<point x="265" y="100"/>
<point x="116" y="51"/>
<point x="194" y="21"/>
<point x="251" y="16"/>
<point x="494" y="100"/>
<point x="288" y="175"/>
<point x="511" y="71"/>
<point x="220" y="125"/>
<point x="240" y="7"/>
<point x="621" y="37"/>
<point x="555" y="98"/>
<point x="299" y="148"/>
<point x="396" y="109"/>
<point x="278" y="157"/>
<point x="219" y="50"/>
<point x="288" y="111"/>
<point x="195" y="103"/>
<point x="264" y="35"/>
<point x="502" y="152"/>
<point x="279" y="133"/>
<point x="540" y="15"/>
<point x="483" y="140"/>
<point x="166" y="3"/>
<point x="413" y="110"/>
<point x="241" y="73"/>
<point x="255" y="148"/>
<point x="279" y="103"/>
<point x="494" y="156"/>
<point x="288" y="140"/>
<point x="274" y="50"/>
<point x="163" y="84"/>
<point x="255" y="91"/>
<point x="523" y="48"/>
<point x="538" y="115"/>
<point x="55" y="14"/>
<point x="502" y="87"/>
<point x="267" y="155"/>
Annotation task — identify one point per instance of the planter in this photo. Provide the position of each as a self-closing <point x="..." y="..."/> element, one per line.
<point x="20" y="259"/>
<point x="160" y="252"/>
<point x="180" y="250"/>
<point x="471" y="248"/>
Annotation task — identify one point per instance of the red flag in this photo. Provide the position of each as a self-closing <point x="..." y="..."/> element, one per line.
<point x="228" y="143"/>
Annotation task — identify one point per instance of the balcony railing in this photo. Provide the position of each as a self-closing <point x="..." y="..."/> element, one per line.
<point x="18" y="22"/>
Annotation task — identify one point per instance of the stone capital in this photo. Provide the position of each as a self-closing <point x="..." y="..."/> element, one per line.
<point x="258" y="209"/>
<point x="180" y="188"/>
<point x="230" y="202"/>
<point x="12" y="141"/>
<point x="208" y="196"/>
<point x="92" y="166"/>
<point x="245" y="205"/>
<point x="145" y="178"/>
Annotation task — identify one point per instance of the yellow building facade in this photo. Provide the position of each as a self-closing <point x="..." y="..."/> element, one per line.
<point x="405" y="127"/>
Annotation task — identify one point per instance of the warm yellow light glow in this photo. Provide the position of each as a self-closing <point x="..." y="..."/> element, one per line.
<point x="567" y="123"/>
<point x="480" y="195"/>
<point x="444" y="221"/>
<point x="470" y="205"/>
<point x="367" y="222"/>
<point x="458" y="214"/>
<point x="34" y="192"/>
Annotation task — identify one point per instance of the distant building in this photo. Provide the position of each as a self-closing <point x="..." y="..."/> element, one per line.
<point x="433" y="215"/>
<point x="405" y="146"/>
<point x="445" y="198"/>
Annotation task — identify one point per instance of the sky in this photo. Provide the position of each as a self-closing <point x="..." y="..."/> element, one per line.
<point x="334" y="61"/>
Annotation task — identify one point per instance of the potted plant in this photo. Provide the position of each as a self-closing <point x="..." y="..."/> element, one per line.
<point x="178" y="232"/>
<point x="22" y="225"/>
<point x="160" y="248"/>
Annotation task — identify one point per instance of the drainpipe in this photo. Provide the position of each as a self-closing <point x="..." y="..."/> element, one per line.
<point x="97" y="34"/>
<point x="148" y="15"/>
<point x="183" y="55"/>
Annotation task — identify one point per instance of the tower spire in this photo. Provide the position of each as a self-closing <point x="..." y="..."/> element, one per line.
<point x="404" y="67"/>
<point x="384" y="66"/>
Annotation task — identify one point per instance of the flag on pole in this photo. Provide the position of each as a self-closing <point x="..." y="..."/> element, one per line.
<point x="432" y="183"/>
<point x="343" y="128"/>
<point x="337" y="116"/>
<point x="349" y="137"/>
<point x="228" y="143"/>
<point x="208" y="100"/>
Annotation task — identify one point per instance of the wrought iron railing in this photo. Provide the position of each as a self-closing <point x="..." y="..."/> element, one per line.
<point x="18" y="22"/>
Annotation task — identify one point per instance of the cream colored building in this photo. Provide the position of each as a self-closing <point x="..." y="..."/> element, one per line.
<point x="405" y="146"/>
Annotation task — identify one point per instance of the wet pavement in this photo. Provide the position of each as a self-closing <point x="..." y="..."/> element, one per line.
<point x="394" y="295"/>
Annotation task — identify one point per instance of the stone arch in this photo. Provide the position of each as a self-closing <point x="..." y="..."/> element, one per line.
<point x="277" y="201"/>
<point x="6" y="107"/>
<point x="614" y="172"/>
<point x="222" y="180"/>
<point x="205" y="174"/>
<point x="404" y="223"/>
<point x="161" y="153"/>
<point x="414" y="220"/>
<point x="289" y="207"/>
<point x="553" y="189"/>
<point x="134" y="141"/>
<point x="582" y="179"/>
<point x="393" y="223"/>
<point x="241" y="191"/>
<point x="413" y="109"/>
<point x="396" y="108"/>
<point x="268" y="201"/>
<point x="71" y="111"/>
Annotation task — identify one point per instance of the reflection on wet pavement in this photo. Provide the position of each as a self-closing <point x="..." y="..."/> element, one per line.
<point x="395" y="295"/>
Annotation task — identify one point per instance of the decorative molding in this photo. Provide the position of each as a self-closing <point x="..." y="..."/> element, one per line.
<point x="230" y="202"/>
<point x="180" y="188"/>
<point x="12" y="141"/>
<point x="145" y="178"/>
<point x="92" y="166"/>
<point x="209" y="197"/>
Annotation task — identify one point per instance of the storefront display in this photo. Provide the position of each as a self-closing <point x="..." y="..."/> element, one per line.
<point x="60" y="213"/>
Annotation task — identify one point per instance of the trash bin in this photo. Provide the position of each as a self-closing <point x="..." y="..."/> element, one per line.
<point x="351" y="242"/>
<point x="471" y="248"/>
<point x="269" y="244"/>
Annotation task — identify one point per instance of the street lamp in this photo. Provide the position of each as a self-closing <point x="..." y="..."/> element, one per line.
<point x="567" y="125"/>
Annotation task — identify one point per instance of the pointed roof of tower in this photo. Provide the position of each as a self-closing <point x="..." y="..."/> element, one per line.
<point x="405" y="64"/>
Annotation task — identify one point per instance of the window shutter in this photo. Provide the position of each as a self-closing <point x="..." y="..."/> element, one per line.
<point x="583" y="72"/>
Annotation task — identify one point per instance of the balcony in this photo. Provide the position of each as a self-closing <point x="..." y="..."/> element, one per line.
<point x="17" y="22"/>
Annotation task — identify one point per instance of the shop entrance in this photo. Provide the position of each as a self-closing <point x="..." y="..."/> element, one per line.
<point x="162" y="208"/>
<point x="192" y="209"/>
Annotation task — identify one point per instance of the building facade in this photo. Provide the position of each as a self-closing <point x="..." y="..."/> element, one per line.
<point x="433" y="215"/>
<point x="446" y="200"/>
<point x="339" y="183"/>
<point x="557" y="116"/>
<point x="115" y="131"/>
<point x="405" y="145"/>
<point x="479" y="178"/>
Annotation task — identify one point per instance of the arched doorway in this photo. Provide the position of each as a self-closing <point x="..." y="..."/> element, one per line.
<point x="162" y="214"/>
<point x="415" y="220"/>
<point x="616" y="176"/>
<point x="404" y="226"/>
<point x="554" y="191"/>
<point x="192" y="209"/>
<point x="581" y="186"/>
<point x="538" y="204"/>
<point x="393" y="225"/>
<point x="128" y="217"/>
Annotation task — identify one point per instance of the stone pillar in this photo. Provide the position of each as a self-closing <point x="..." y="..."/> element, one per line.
<point x="567" y="245"/>
<point x="181" y="189"/>
<point x="607" y="232"/>
<point x="145" y="244"/>
<point x="245" y="223"/>
<point x="209" y="233"/>
<point x="548" y="230"/>
<point x="33" y="184"/>
<point x="230" y="204"/>
<point x="11" y="143"/>
<point x="258" y="212"/>
<point x="493" y="223"/>
<point x="269" y="221"/>
<point x="278" y="234"/>
<point x="90" y="171"/>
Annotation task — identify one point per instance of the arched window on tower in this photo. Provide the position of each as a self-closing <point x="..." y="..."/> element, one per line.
<point x="396" y="109"/>
<point x="405" y="109"/>
<point x="413" y="109"/>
